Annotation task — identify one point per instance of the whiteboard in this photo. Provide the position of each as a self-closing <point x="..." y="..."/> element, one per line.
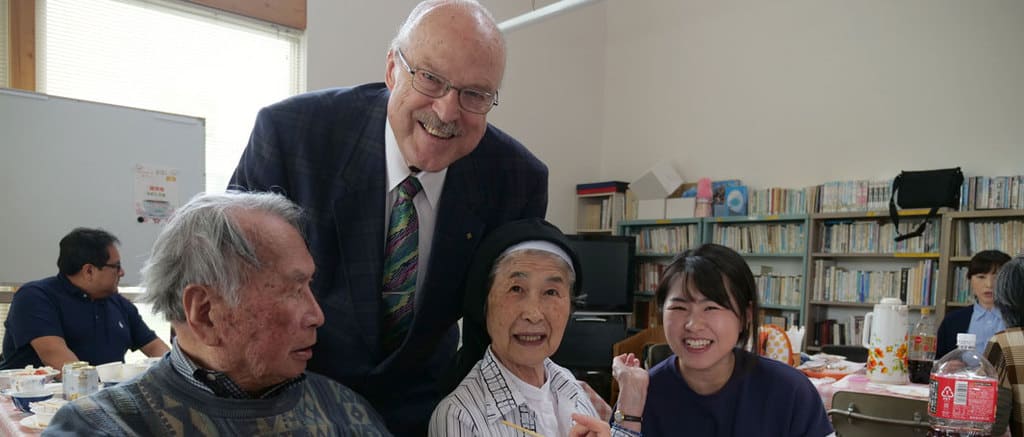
<point x="67" y="163"/>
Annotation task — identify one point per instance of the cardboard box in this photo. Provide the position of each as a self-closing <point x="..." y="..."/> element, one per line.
<point x="680" y="207"/>
<point x="651" y="189"/>
<point x="651" y="209"/>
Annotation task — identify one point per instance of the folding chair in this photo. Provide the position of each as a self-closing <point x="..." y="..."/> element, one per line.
<point x="873" y="415"/>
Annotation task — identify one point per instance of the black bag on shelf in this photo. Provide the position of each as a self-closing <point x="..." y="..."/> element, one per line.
<point x="924" y="189"/>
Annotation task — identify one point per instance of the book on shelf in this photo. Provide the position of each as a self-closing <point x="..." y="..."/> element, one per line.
<point x="736" y="201"/>
<point x="827" y="332"/>
<point x="855" y="329"/>
<point x="992" y="192"/>
<point x="783" y="320"/>
<point x="602" y="187"/>
<point x="913" y="285"/>
<point x="648" y="274"/>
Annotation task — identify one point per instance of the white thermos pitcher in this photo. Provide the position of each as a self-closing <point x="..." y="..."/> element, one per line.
<point x="885" y="336"/>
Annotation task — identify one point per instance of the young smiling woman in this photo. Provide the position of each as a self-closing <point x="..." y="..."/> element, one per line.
<point x="715" y="384"/>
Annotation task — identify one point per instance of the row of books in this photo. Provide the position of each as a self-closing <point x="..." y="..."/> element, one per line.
<point x="648" y="275"/>
<point x="773" y="201"/>
<point x="913" y="285"/>
<point x="961" y="286"/>
<point x="848" y="236"/>
<point x="779" y="289"/>
<point x="602" y="187"/>
<point x="831" y="331"/>
<point x="782" y="238"/>
<point x="997" y="192"/>
<point x="842" y="196"/>
<point x="783" y="320"/>
<point x="1007" y="236"/>
<point x="667" y="240"/>
<point x="598" y="213"/>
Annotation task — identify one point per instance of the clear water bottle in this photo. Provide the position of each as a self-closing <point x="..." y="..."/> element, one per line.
<point x="921" y="356"/>
<point x="963" y="391"/>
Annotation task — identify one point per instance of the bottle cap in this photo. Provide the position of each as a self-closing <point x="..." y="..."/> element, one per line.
<point x="965" y="339"/>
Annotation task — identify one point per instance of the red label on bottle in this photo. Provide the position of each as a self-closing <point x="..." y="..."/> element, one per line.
<point x="917" y="339"/>
<point x="963" y="399"/>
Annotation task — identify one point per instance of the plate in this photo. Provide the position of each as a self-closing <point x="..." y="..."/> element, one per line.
<point x="30" y="422"/>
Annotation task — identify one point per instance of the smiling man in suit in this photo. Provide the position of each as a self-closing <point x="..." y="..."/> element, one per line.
<point x="401" y="180"/>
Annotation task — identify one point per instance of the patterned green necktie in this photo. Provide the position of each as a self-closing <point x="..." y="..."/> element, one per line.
<point x="400" y="262"/>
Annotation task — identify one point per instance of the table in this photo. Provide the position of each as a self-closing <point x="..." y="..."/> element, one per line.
<point x="10" y="416"/>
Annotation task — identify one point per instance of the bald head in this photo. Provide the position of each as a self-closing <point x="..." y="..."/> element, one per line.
<point x="461" y="23"/>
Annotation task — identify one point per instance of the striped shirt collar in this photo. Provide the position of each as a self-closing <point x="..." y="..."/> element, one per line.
<point x="506" y="400"/>
<point x="218" y="383"/>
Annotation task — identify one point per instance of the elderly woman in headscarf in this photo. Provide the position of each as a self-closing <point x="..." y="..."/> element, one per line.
<point x="517" y="303"/>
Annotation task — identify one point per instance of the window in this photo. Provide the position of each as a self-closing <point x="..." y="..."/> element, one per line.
<point x="173" y="57"/>
<point x="4" y="42"/>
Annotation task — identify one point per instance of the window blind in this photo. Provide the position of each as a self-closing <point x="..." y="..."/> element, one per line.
<point x="174" y="57"/>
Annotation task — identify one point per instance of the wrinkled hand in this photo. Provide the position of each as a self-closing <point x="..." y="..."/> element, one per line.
<point x="633" y="380"/>
<point x="587" y="426"/>
<point x="604" y="411"/>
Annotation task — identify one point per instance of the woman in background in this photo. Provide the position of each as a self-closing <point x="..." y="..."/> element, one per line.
<point x="714" y="385"/>
<point x="980" y="319"/>
<point x="1006" y="350"/>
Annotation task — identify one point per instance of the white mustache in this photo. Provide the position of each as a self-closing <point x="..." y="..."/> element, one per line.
<point x="431" y="121"/>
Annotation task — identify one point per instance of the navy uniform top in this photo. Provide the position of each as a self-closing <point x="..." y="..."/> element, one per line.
<point x="763" y="397"/>
<point x="97" y="331"/>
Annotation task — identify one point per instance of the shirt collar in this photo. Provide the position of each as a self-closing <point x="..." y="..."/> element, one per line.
<point x="398" y="170"/>
<point x="980" y="312"/>
<point x="217" y="383"/>
<point x="506" y="399"/>
<point x="74" y="290"/>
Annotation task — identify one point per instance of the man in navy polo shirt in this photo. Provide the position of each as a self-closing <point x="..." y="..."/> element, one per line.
<point x="77" y="315"/>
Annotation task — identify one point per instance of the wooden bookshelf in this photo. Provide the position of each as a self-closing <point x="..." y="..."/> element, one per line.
<point x="998" y="229"/>
<point x="853" y="262"/>
<point x="599" y="213"/>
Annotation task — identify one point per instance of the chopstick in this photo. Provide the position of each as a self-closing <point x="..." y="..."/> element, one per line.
<point x="521" y="429"/>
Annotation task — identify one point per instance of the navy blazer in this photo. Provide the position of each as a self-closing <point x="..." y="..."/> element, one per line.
<point x="954" y="323"/>
<point x="325" y="151"/>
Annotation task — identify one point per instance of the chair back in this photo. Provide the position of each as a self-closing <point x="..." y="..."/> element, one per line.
<point x="655" y="353"/>
<point x="774" y="343"/>
<point x="873" y="415"/>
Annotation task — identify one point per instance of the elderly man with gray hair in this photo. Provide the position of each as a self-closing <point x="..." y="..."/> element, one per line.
<point x="231" y="272"/>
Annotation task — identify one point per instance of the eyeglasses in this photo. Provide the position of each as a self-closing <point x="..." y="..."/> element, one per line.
<point x="115" y="266"/>
<point x="433" y="85"/>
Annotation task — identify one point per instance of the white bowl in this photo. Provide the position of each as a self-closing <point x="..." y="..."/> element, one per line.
<point x="110" y="371"/>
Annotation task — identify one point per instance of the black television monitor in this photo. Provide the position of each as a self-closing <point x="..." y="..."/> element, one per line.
<point x="609" y="274"/>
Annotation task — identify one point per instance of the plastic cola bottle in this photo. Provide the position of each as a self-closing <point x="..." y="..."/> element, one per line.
<point x="963" y="391"/>
<point x="922" y="348"/>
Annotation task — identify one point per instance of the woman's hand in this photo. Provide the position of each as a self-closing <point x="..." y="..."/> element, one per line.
<point x="587" y="426"/>
<point x="633" y="380"/>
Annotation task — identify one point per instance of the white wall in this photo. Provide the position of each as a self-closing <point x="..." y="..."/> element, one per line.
<point x="797" y="92"/>
<point x="784" y="93"/>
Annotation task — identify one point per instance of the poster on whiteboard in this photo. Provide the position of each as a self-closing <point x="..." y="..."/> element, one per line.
<point x="156" y="193"/>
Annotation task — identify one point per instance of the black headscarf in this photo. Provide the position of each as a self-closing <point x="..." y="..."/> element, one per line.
<point x="474" y="320"/>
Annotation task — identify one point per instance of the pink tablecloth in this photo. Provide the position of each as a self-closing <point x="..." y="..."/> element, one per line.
<point x="10" y="417"/>
<point x="859" y="383"/>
